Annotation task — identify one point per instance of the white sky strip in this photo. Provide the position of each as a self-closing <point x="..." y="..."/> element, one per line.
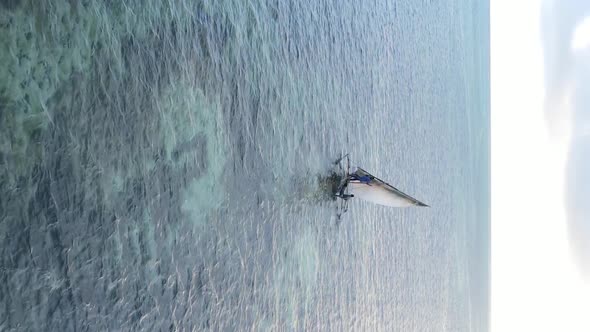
<point x="536" y="285"/>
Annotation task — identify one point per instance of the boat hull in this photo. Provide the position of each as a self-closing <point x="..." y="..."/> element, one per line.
<point x="378" y="195"/>
<point x="365" y="186"/>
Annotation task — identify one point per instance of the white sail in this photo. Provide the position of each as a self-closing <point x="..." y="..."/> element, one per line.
<point x="374" y="190"/>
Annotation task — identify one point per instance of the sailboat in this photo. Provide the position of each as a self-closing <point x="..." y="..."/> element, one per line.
<point x="361" y="184"/>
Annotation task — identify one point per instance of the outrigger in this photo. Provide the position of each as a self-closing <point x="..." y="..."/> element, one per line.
<point x="361" y="184"/>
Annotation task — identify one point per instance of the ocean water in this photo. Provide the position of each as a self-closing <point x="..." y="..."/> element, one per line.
<point x="161" y="165"/>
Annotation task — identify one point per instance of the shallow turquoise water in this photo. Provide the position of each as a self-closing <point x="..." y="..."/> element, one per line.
<point x="162" y="165"/>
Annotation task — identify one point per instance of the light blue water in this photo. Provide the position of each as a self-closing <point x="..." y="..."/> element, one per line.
<point x="161" y="165"/>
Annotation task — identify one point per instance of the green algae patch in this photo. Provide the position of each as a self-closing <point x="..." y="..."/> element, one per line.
<point x="41" y="47"/>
